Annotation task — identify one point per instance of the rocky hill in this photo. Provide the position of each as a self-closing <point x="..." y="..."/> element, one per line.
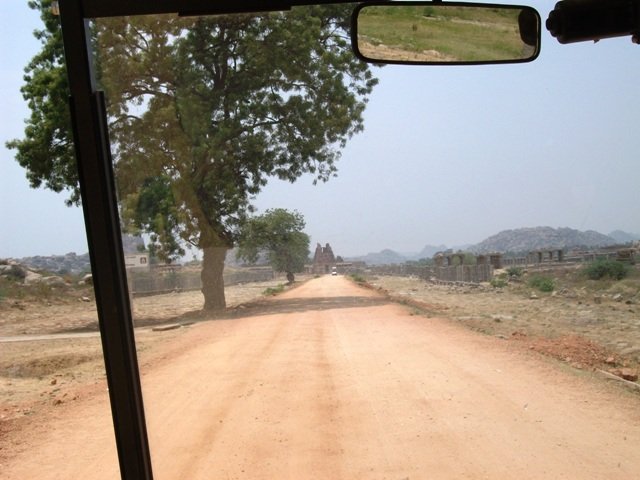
<point x="527" y="239"/>
<point x="624" y="237"/>
<point x="73" y="263"/>
<point x="59" y="264"/>
<point x="391" y="257"/>
<point x="428" y="251"/>
<point x="385" y="257"/>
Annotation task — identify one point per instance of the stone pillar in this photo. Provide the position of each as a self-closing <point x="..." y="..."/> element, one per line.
<point x="495" y="259"/>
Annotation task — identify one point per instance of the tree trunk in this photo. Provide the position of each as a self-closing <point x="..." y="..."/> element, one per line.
<point x="212" y="280"/>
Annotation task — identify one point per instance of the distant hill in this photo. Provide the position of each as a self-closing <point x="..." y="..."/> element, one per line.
<point x="391" y="257"/>
<point x="624" y="237"/>
<point x="527" y="239"/>
<point x="59" y="264"/>
<point x="385" y="257"/>
<point x="74" y="263"/>
<point x="429" y="251"/>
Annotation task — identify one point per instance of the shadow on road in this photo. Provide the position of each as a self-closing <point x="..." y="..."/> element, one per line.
<point x="265" y="306"/>
<point x="275" y="306"/>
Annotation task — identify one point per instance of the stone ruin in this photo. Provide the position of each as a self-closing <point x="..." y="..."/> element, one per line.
<point x="323" y="260"/>
<point x="454" y="259"/>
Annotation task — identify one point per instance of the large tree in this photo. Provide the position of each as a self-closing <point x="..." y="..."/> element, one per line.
<point x="279" y="233"/>
<point x="46" y="151"/>
<point x="203" y="111"/>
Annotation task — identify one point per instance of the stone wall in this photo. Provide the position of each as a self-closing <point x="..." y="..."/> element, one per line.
<point x="169" y="279"/>
<point x="452" y="274"/>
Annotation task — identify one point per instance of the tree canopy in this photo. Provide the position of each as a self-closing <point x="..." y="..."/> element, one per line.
<point x="279" y="233"/>
<point x="203" y="111"/>
<point x="46" y="151"/>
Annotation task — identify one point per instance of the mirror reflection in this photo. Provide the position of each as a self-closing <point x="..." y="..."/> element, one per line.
<point x="453" y="33"/>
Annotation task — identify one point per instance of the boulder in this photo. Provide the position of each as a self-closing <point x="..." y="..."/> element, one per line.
<point x="626" y="374"/>
<point x="13" y="271"/>
<point x="54" y="281"/>
<point x="32" y="277"/>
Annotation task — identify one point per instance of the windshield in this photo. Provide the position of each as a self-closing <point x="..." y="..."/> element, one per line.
<point x="343" y="270"/>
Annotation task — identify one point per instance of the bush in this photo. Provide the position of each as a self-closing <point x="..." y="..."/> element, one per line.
<point x="16" y="273"/>
<point x="606" y="268"/>
<point x="358" y="278"/>
<point x="515" y="272"/>
<point x="498" y="282"/>
<point x="274" y="290"/>
<point x="544" y="284"/>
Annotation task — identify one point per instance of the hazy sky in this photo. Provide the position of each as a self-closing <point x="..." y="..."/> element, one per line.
<point x="449" y="155"/>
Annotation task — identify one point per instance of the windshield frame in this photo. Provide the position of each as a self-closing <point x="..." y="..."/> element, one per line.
<point x="100" y="210"/>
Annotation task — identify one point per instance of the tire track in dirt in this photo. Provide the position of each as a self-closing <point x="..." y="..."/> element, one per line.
<point x="336" y="390"/>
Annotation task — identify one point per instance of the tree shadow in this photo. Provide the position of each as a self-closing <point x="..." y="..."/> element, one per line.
<point x="272" y="306"/>
<point x="278" y="306"/>
<point x="260" y="307"/>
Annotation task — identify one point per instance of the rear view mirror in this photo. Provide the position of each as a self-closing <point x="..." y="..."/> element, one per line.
<point x="439" y="33"/>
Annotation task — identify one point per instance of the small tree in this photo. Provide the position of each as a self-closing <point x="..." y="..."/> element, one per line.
<point x="606" y="268"/>
<point x="470" y="259"/>
<point x="544" y="284"/>
<point x="279" y="233"/>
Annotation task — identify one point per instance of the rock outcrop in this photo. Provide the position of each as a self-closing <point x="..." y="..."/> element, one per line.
<point x="536" y="238"/>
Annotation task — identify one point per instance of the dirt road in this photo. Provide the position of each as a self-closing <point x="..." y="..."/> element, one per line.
<point x="330" y="381"/>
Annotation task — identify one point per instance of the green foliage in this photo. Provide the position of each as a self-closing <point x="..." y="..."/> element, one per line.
<point x="544" y="284"/>
<point x="46" y="151"/>
<point x="271" y="291"/>
<point x="153" y="209"/>
<point x="498" y="282"/>
<point x="15" y="273"/>
<point x="469" y="259"/>
<point x="228" y="102"/>
<point x="356" y="277"/>
<point x="43" y="291"/>
<point x="515" y="272"/>
<point x="412" y="31"/>
<point x="428" y="11"/>
<point x="606" y="268"/>
<point x="279" y="233"/>
<point x="202" y="112"/>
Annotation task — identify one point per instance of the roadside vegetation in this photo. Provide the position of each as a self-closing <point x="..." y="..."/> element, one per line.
<point x="606" y="268"/>
<point x="272" y="291"/>
<point x="13" y="290"/>
<point x="443" y="30"/>
<point x="589" y="324"/>
<point x="542" y="283"/>
<point x="499" y="282"/>
<point x="279" y="234"/>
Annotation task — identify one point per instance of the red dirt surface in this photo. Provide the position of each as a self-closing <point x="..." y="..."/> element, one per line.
<point x="331" y="381"/>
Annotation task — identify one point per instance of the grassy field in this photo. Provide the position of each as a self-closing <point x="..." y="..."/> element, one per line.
<point x="459" y="34"/>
